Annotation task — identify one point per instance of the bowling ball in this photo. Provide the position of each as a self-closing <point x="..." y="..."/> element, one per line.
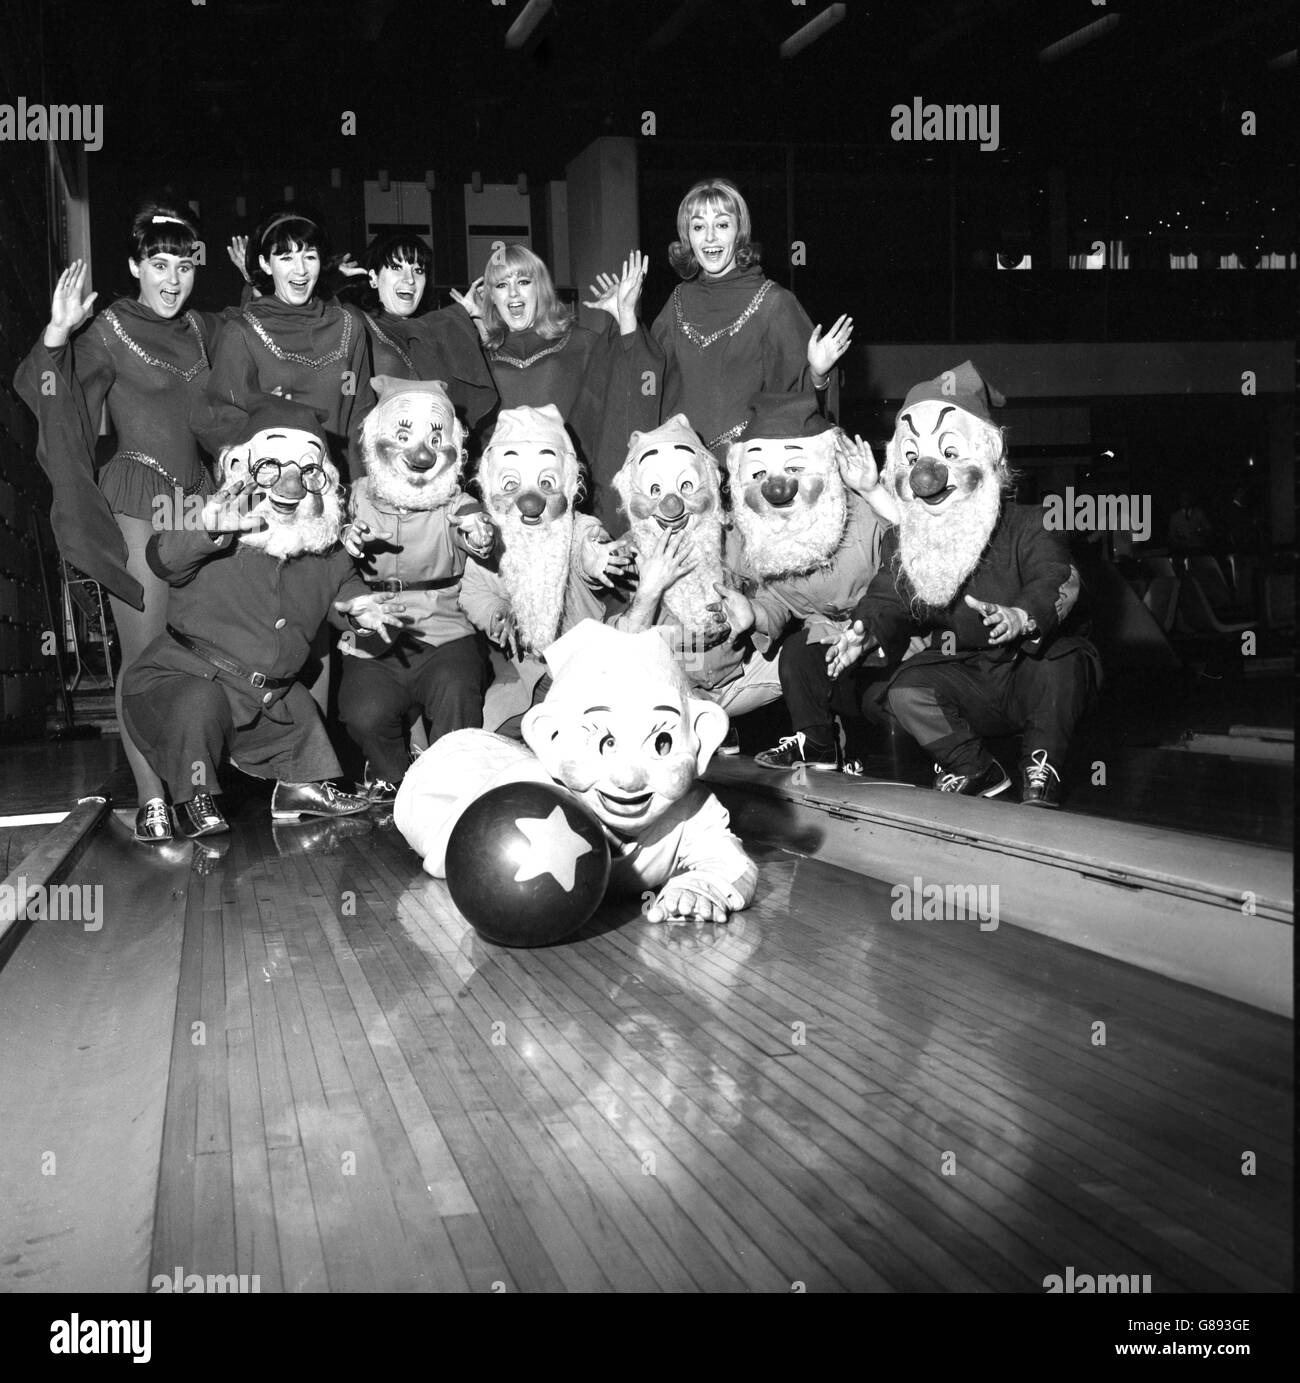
<point x="527" y="864"/>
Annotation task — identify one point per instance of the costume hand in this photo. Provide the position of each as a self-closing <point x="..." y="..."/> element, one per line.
<point x="847" y="649"/>
<point x="669" y="560"/>
<point x="858" y="467"/>
<point x="374" y="612"/>
<point x="824" y="351"/>
<point x="501" y="630"/>
<point x="690" y="900"/>
<point x="1005" y="623"/>
<point x="478" y="532"/>
<point x="238" y="252"/>
<point x="68" y="309"/>
<point x="226" y="512"/>
<point x="604" y="562"/>
<point x="357" y="534"/>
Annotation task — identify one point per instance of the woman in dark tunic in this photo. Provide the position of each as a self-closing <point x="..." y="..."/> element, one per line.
<point x="407" y="344"/>
<point x="290" y="342"/>
<point x="729" y="332"/>
<point x="538" y="356"/>
<point x="148" y="359"/>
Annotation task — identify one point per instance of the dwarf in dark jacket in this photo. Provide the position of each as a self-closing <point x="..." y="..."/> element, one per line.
<point x="252" y="579"/>
<point x="990" y="583"/>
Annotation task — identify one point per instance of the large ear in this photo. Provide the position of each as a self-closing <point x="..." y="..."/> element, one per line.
<point x="710" y="724"/>
<point x="234" y="461"/>
<point x="541" y="727"/>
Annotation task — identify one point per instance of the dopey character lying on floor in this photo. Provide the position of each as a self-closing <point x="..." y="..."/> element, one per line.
<point x="620" y="730"/>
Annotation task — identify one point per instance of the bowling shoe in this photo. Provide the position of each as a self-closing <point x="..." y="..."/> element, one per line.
<point x="381" y="793"/>
<point x="313" y="799"/>
<point x="153" y="822"/>
<point x="792" y="750"/>
<point x="200" y="817"/>
<point x="988" y="782"/>
<point x="1040" y="783"/>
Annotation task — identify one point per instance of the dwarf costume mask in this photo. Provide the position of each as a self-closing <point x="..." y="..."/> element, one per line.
<point x="413" y="444"/>
<point x="669" y="481"/>
<point x="946" y="464"/>
<point x="529" y="480"/>
<point x="788" y="498"/>
<point x="293" y="486"/>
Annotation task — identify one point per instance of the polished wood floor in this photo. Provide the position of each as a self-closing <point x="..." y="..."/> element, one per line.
<point x="813" y="1094"/>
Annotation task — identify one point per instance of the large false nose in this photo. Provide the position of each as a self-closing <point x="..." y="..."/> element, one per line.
<point x="530" y="504"/>
<point x="628" y="776"/>
<point x="671" y="506"/>
<point x="289" y="486"/>
<point x="927" y="478"/>
<point x="780" y="490"/>
<point x="421" y="457"/>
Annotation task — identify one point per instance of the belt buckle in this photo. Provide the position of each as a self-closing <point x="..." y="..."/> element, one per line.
<point x="394" y="584"/>
<point x="258" y="679"/>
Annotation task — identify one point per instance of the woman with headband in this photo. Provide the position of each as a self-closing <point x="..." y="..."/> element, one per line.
<point x="290" y="342"/>
<point x="148" y="358"/>
<point x="728" y="332"/>
<point x="538" y="356"/>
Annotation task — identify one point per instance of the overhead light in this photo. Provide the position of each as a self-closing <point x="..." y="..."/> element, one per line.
<point x="529" y="18"/>
<point x="813" y="30"/>
<point x="1078" y="38"/>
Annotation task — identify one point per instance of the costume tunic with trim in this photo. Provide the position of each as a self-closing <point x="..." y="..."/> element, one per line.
<point x="152" y="372"/>
<point x="444" y="345"/>
<point x="425" y="546"/>
<point x="1024" y="566"/>
<point x="691" y="841"/>
<point x="725" y="340"/>
<point x="274" y="349"/>
<point x="594" y="380"/>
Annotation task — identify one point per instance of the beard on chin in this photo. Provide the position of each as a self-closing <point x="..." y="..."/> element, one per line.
<point x="285" y="537"/>
<point x="535" y="568"/>
<point x="938" y="552"/>
<point x="391" y="483"/>
<point x="688" y="595"/>
<point x="777" y="547"/>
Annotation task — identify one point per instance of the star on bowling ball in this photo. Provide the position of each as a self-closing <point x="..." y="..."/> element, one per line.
<point x="527" y="864"/>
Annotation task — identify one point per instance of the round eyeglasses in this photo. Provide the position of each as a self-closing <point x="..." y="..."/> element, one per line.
<point x="267" y="472"/>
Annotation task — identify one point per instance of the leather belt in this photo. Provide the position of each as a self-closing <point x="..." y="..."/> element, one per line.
<point x="219" y="660"/>
<point x="397" y="585"/>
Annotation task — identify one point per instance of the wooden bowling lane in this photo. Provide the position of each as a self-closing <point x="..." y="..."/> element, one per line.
<point x="813" y="1094"/>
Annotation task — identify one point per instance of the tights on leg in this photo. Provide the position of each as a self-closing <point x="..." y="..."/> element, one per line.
<point x="136" y="630"/>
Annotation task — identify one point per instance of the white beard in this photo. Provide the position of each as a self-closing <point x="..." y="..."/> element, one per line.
<point x="938" y="553"/>
<point x="777" y="549"/>
<point x="392" y="485"/>
<point x="689" y="594"/>
<point x="284" y="538"/>
<point x="535" y="568"/>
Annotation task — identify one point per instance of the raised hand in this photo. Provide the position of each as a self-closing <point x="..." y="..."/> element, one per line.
<point x="349" y="268"/>
<point x="68" y="308"/>
<point x="357" y="534"/>
<point x="847" y="649"/>
<point x="605" y="562"/>
<point x="671" y="558"/>
<point x="238" y="252"/>
<point x="472" y="298"/>
<point x="621" y="296"/>
<point x="477" y="532"/>
<point x="824" y="351"/>
<point x="857" y="466"/>
<point x="1005" y="623"/>
<point x="374" y="612"/>
<point x="226" y="512"/>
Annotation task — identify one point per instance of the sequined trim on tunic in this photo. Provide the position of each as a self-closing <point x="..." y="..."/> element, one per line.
<point x="391" y="344"/>
<point x="497" y="358"/>
<point x="153" y="465"/>
<point x="729" y="435"/>
<point x="132" y="345"/>
<point x="341" y="351"/>
<point x="696" y="337"/>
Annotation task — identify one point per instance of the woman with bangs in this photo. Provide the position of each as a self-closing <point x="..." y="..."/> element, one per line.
<point x="728" y="332"/>
<point x="538" y="355"/>
<point x="291" y="342"/>
<point x="148" y="358"/>
<point x="406" y="344"/>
